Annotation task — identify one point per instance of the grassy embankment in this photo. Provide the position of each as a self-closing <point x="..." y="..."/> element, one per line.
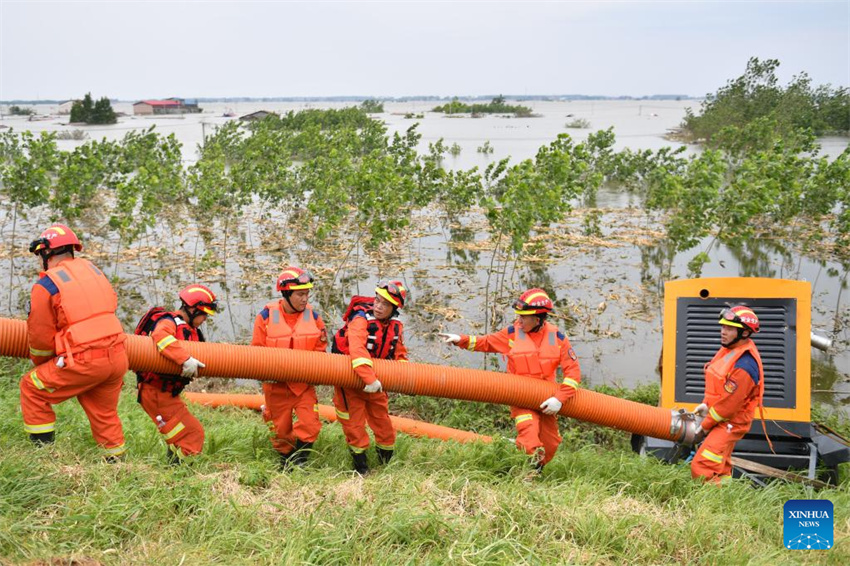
<point x="435" y="503"/>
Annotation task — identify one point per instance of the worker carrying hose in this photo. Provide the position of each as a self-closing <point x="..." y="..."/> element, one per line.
<point x="159" y="394"/>
<point x="372" y="331"/>
<point x="76" y="343"/>
<point x="291" y="323"/>
<point x="734" y="387"/>
<point x="535" y="349"/>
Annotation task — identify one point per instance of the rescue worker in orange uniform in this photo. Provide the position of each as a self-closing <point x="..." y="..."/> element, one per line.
<point x="371" y="333"/>
<point x="734" y="387"/>
<point x="291" y="323"/>
<point x="76" y="343"/>
<point x="535" y="349"/>
<point x="159" y="394"/>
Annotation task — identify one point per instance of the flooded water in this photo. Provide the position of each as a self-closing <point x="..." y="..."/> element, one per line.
<point x="609" y="291"/>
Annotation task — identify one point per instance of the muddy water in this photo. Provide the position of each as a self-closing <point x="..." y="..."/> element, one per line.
<point x="609" y="291"/>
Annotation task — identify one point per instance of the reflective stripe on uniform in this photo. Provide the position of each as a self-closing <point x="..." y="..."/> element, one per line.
<point x="165" y="342"/>
<point x="709" y="455"/>
<point x="116" y="450"/>
<point x="356" y="449"/>
<point x="472" y="341"/>
<point x="316" y="407"/>
<point x="341" y="414"/>
<point x="385" y="446"/>
<point x="510" y="343"/>
<point x="571" y="382"/>
<point x="37" y="382"/>
<point x="715" y="415"/>
<point x="174" y="431"/>
<point x="357" y="362"/>
<point x="522" y="418"/>
<point x="41" y="353"/>
<point x="40" y="428"/>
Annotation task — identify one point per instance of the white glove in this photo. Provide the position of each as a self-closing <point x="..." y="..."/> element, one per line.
<point x="190" y="367"/>
<point x="373" y="387"/>
<point x="60" y="362"/>
<point x="701" y="410"/>
<point x="449" y="338"/>
<point x="550" y="406"/>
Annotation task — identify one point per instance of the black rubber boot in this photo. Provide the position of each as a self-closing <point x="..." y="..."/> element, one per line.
<point x="286" y="460"/>
<point x="302" y="452"/>
<point x="384" y="456"/>
<point x="42" y="438"/>
<point x="361" y="466"/>
<point x="172" y="456"/>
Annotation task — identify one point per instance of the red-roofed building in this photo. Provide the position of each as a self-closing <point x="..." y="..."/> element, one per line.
<point x="168" y="106"/>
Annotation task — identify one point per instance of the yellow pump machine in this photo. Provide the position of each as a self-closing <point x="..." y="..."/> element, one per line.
<point x="691" y="338"/>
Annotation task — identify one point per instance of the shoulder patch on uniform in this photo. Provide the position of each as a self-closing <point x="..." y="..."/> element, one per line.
<point x="748" y="363"/>
<point x="511" y="329"/>
<point x="265" y="313"/>
<point x="48" y="284"/>
<point x="730" y="386"/>
<point x="572" y="354"/>
<point x="315" y="315"/>
<point x="562" y="336"/>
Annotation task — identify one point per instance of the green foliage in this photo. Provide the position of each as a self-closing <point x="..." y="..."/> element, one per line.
<point x="372" y="106"/>
<point x="495" y="106"/>
<point x="16" y="110"/>
<point x="578" y="123"/>
<point x="90" y="112"/>
<point x="485" y="148"/>
<point x="756" y="98"/>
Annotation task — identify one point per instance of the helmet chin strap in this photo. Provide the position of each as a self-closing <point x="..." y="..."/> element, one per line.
<point x="737" y="339"/>
<point x="540" y="320"/>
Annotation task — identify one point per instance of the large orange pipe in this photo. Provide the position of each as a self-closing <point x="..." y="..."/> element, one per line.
<point x="401" y="424"/>
<point x="275" y="364"/>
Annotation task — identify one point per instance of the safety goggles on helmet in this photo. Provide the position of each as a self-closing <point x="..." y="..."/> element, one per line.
<point x="40" y="244"/>
<point x="304" y="280"/>
<point x="733" y="317"/>
<point x="392" y="291"/>
<point x="208" y="308"/>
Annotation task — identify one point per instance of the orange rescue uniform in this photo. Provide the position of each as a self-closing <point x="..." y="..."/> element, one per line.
<point x="537" y="356"/>
<point x="734" y="387"/>
<point x="368" y="339"/>
<point x="159" y="394"/>
<point x="72" y="317"/>
<point x="274" y="328"/>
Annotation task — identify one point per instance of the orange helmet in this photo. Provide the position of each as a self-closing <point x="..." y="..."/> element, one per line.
<point x="740" y="316"/>
<point x="55" y="237"/>
<point x="293" y="278"/>
<point x="394" y="291"/>
<point x="533" y="301"/>
<point x="200" y="297"/>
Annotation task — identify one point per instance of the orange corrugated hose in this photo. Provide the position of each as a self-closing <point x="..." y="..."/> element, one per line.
<point x="276" y="364"/>
<point x="401" y="424"/>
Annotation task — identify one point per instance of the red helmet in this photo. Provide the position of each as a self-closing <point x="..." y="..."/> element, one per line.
<point x="201" y="297"/>
<point x="293" y="278"/>
<point x="740" y="316"/>
<point x="55" y="237"/>
<point x="533" y="301"/>
<point x="394" y="291"/>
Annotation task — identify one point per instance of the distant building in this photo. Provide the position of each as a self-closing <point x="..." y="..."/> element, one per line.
<point x="65" y="107"/>
<point x="258" y="115"/>
<point x="167" y="106"/>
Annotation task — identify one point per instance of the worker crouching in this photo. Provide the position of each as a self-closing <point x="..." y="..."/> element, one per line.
<point x="159" y="394"/>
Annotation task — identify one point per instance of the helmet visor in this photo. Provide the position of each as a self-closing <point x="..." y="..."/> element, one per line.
<point x="729" y="318"/>
<point x="40" y="244"/>
<point x="208" y="308"/>
<point x="390" y="291"/>
<point x="303" y="281"/>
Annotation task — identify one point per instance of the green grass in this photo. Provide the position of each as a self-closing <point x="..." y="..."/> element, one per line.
<point x="437" y="502"/>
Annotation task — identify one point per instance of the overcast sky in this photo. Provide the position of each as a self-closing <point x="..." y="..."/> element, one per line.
<point x="135" y="50"/>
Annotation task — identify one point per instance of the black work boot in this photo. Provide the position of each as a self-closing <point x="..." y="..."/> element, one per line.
<point x="384" y="456"/>
<point x="172" y="455"/>
<point x="302" y="452"/>
<point x="286" y="460"/>
<point x="42" y="438"/>
<point x="361" y="466"/>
